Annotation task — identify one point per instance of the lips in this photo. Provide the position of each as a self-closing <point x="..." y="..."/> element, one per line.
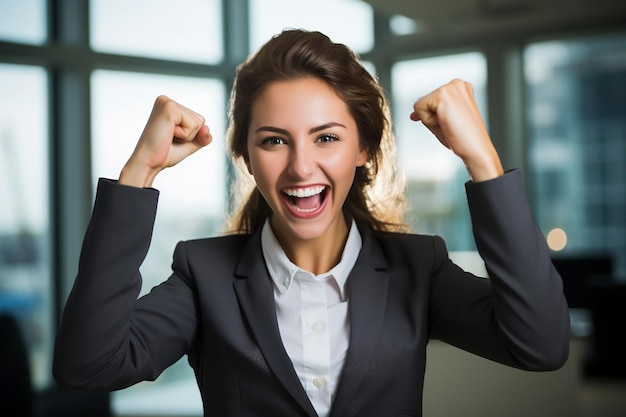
<point x="305" y="200"/>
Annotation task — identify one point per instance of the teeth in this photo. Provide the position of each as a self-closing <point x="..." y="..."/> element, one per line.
<point x="301" y="210"/>
<point x="304" y="192"/>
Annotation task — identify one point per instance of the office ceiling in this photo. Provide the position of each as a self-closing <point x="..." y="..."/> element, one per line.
<point x="433" y="16"/>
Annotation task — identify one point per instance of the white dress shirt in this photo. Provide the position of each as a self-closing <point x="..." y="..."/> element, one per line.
<point x="312" y="313"/>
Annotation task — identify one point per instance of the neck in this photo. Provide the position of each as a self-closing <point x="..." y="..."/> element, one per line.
<point x="318" y="255"/>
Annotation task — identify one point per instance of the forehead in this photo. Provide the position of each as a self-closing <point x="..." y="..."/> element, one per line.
<point x="298" y="100"/>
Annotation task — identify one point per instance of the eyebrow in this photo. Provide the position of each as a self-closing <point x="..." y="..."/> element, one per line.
<point x="286" y="133"/>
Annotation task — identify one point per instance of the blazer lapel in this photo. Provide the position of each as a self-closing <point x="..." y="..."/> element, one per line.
<point x="367" y="291"/>
<point x="256" y="297"/>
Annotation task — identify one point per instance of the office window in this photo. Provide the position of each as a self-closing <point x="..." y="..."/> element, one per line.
<point x="339" y="19"/>
<point x="23" y="21"/>
<point x="193" y="193"/>
<point x="25" y="281"/>
<point x="185" y="30"/>
<point x="577" y="143"/>
<point x="192" y="202"/>
<point x="435" y="176"/>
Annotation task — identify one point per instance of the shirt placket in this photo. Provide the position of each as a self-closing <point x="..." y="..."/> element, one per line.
<point x="316" y="342"/>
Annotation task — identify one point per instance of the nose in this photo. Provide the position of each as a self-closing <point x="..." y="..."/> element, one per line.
<point x="302" y="162"/>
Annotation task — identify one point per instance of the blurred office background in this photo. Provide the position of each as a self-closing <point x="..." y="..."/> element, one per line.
<point x="78" y="80"/>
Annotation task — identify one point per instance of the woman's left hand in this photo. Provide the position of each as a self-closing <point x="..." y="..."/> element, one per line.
<point x="451" y="114"/>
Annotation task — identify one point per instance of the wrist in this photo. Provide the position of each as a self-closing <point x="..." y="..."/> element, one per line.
<point x="485" y="168"/>
<point x="137" y="176"/>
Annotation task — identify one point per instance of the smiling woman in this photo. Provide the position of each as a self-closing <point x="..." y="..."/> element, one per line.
<point x="316" y="290"/>
<point x="84" y="66"/>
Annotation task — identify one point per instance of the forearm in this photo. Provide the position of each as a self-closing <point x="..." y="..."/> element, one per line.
<point x="94" y="329"/>
<point x="527" y="292"/>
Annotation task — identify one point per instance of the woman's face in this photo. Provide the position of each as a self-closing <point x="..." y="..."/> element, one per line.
<point x="303" y="151"/>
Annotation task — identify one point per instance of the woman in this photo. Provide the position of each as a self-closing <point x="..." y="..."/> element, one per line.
<point x="317" y="305"/>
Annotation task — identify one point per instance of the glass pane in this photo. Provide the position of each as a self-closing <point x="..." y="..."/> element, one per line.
<point x="577" y="144"/>
<point x="402" y="25"/>
<point x="186" y="30"/>
<point x="25" y="290"/>
<point x="435" y="177"/>
<point x="192" y="202"/>
<point x="23" y="21"/>
<point x="269" y="17"/>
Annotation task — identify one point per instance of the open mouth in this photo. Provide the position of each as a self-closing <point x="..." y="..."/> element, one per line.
<point x="305" y="200"/>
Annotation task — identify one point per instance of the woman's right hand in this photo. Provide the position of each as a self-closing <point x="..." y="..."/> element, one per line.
<point x="172" y="133"/>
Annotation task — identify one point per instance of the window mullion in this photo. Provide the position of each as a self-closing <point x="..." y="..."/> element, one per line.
<point x="70" y="144"/>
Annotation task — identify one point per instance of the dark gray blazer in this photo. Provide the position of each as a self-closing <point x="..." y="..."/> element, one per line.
<point x="218" y="308"/>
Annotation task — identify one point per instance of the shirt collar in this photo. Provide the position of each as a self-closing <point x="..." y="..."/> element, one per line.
<point x="282" y="270"/>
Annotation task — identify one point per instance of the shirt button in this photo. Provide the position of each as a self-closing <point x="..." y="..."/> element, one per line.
<point x="317" y="326"/>
<point x="318" y="382"/>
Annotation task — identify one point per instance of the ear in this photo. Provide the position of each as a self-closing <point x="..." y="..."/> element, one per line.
<point x="246" y="160"/>
<point x="361" y="157"/>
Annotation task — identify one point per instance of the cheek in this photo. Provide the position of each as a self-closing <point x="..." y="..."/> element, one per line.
<point x="264" y="170"/>
<point x="343" y="166"/>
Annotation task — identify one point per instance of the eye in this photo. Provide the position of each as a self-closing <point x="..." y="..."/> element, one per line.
<point x="272" y="140"/>
<point x="327" y="137"/>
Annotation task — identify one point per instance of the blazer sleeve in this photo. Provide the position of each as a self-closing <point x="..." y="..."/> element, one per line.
<point x="107" y="339"/>
<point x="519" y="316"/>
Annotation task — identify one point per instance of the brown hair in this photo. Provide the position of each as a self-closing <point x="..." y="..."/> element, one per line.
<point x="376" y="198"/>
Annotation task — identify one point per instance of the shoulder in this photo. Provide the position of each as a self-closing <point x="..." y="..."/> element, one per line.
<point x="404" y="248"/>
<point x="233" y="243"/>
<point x="213" y="255"/>
<point x="407" y="241"/>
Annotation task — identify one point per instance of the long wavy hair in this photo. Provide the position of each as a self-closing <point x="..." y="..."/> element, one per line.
<point x="376" y="198"/>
